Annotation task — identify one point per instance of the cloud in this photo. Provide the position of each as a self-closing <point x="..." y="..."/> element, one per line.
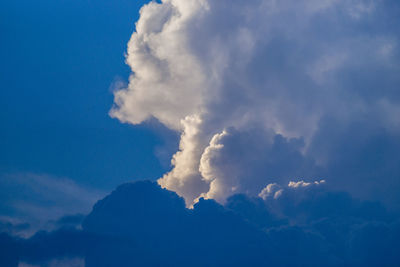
<point x="244" y="162"/>
<point x="359" y="154"/>
<point x="73" y="262"/>
<point x="13" y="226"/>
<point x="304" y="184"/>
<point x="304" y="202"/>
<point x="142" y="224"/>
<point x="151" y="226"/>
<point x="40" y="200"/>
<point x="232" y="76"/>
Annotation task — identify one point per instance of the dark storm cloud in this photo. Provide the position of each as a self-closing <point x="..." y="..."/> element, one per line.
<point x="142" y="224"/>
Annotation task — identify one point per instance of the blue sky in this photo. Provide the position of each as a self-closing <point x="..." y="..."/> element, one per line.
<point x="59" y="61"/>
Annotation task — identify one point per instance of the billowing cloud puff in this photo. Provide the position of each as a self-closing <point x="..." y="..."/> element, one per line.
<point x="275" y="191"/>
<point x="271" y="190"/>
<point x="257" y="83"/>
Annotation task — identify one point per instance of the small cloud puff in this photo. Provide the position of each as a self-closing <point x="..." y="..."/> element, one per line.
<point x="275" y="191"/>
<point x="304" y="184"/>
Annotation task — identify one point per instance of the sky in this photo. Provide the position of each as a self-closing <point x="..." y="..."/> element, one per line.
<point x="200" y="132"/>
<point x="60" y="61"/>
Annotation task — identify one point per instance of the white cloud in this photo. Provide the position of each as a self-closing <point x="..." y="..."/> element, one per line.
<point x="304" y="184"/>
<point x="185" y="178"/>
<point x="271" y="190"/>
<point x="274" y="191"/>
<point x="247" y="70"/>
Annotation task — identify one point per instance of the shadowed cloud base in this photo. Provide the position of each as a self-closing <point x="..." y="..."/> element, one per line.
<point x="143" y="224"/>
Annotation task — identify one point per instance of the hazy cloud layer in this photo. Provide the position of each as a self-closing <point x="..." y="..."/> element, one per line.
<point x="31" y="201"/>
<point x="268" y="91"/>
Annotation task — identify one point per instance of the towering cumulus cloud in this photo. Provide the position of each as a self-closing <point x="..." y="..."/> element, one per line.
<point x="267" y="91"/>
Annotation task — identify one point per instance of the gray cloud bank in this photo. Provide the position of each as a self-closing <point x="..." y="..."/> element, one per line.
<point x="141" y="224"/>
<point x="268" y="91"/>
